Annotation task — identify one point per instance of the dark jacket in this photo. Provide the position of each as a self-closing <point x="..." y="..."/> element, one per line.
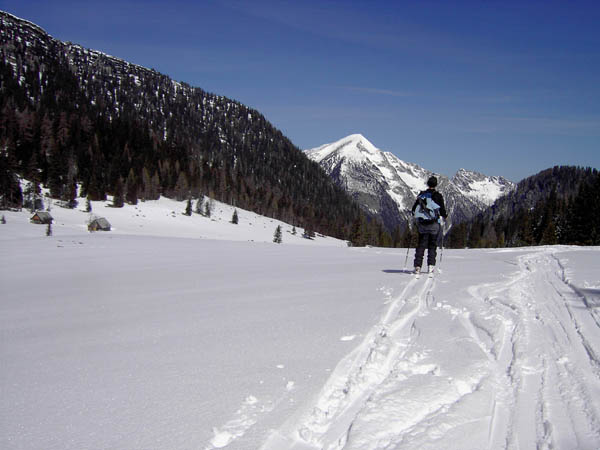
<point x="436" y="197"/>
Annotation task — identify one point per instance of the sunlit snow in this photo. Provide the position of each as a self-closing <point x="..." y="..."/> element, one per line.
<point x="180" y="332"/>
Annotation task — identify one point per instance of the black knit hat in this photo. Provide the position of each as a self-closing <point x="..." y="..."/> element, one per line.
<point x="432" y="182"/>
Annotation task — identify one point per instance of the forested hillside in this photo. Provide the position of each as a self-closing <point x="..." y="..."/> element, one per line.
<point x="71" y="116"/>
<point x="557" y="206"/>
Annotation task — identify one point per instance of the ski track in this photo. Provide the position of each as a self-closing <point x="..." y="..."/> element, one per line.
<point x="531" y="377"/>
<point x="546" y="399"/>
<point x="245" y="417"/>
<point x="360" y="375"/>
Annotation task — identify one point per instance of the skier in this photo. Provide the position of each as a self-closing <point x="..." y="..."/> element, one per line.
<point x="428" y="210"/>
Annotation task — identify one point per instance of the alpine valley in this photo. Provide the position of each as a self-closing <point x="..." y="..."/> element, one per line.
<point x="77" y="123"/>
<point x="386" y="186"/>
<point x="85" y="124"/>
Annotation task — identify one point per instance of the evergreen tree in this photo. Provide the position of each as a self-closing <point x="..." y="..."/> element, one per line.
<point x="489" y="237"/>
<point x="234" y="218"/>
<point x="188" y="208"/>
<point x="549" y="237"/>
<point x="407" y="239"/>
<point x="155" y="187"/>
<point x="547" y="210"/>
<point x="57" y="173"/>
<point x="397" y="237"/>
<point x="385" y="239"/>
<point x="118" y="200"/>
<point x="208" y="208"/>
<point x="11" y="195"/>
<point x="458" y="236"/>
<point x="309" y="233"/>
<point x="358" y="235"/>
<point x="147" y="189"/>
<point x="277" y="237"/>
<point x="474" y="239"/>
<point x="88" y="205"/>
<point x="71" y="195"/>
<point x="31" y="196"/>
<point x="294" y="232"/>
<point x="131" y="188"/>
<point x="501" y="241"/>
<point x="583" y="227"/>
<point x="199" y="203"/>
<point x="525" y="235"/>
<point x="182" y="187"/>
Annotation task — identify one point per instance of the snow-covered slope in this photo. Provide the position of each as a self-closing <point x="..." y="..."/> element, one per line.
<point x="386" y="186"/>
<point x="151" y="336"/>
<point x="165" y="218"/>
<point x="482" y="188"/>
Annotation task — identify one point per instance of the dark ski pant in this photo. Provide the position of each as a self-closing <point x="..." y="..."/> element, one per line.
<point x="428" y="237"/>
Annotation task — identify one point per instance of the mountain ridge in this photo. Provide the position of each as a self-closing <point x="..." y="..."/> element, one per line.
<point x="78" y="117"/>
<point x="558" y="205"/>
<point x="387" y="186"/>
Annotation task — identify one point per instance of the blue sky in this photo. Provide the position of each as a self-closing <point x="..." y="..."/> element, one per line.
<point x="501" y="87"/>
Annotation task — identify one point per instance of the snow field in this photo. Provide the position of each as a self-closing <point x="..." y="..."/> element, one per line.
<point x="161" y="218"/>
<point x="125" y="341"/>
<point x="514" y="366"/>
<point x="156" y="336"/>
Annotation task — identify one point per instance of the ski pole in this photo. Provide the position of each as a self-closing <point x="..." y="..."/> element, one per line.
<point x="442" y="252"/>
<point x="410" y="239"/>
<point x="406" y="259"/>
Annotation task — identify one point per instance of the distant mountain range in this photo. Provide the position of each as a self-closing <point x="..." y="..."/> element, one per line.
<point x="386" y="186"/>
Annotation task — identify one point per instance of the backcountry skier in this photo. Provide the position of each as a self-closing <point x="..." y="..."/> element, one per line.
<point x="428" y="210"/>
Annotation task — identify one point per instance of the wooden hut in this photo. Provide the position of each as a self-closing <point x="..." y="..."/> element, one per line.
<point x="99" y="224"/>
<point x="41" y="218"/>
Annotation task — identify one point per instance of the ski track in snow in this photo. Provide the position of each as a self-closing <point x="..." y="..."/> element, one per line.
<point x="530" y="377"/>
<point x="249" y="413"/>
<point x="358" y="376"/>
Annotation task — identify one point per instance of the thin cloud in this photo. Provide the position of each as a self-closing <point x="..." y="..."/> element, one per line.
<point x="353" y="25"/>
<point x="557" y="124"/>
<point x="377" y="91"/>
<point x="588" y="126"/>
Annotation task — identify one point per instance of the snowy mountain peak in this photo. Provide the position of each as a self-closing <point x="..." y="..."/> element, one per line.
<point x="354" y="147"/>
<point x="387" y="186"/>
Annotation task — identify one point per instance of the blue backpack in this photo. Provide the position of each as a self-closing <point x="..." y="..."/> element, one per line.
<point x="427" y="211"/>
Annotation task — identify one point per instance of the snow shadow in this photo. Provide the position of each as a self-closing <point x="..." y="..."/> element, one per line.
<point x="409" y="271"/>
<point x="590" y="297"/>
